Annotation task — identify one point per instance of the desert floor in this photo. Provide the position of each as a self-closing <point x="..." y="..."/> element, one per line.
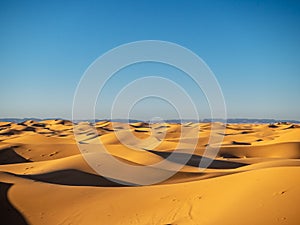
<point x="254" y="179"/>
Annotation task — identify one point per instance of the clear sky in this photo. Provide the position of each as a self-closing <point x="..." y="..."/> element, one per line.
<point x="253" y="48"/>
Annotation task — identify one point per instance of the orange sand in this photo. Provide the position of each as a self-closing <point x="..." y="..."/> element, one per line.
<point x="255" y="178"/>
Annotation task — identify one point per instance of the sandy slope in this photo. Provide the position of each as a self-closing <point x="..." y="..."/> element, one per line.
<point x="44" y="179"/>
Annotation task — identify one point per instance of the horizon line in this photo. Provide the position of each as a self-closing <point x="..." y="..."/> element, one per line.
<point x="230" y="120"/>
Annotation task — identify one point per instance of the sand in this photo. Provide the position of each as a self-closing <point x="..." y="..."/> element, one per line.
<point x="255" y="178"/>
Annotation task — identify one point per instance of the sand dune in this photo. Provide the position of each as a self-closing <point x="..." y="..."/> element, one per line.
<point x="44" y="179"/>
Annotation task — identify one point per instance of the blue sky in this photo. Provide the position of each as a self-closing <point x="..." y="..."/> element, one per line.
<point x="253" y="48"/>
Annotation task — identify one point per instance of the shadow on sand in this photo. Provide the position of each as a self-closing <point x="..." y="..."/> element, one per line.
<point x="195" y="160"/>
<point x="74" y="177"/>
<point x="8" y="213"/>
<point x="9" y="156"/>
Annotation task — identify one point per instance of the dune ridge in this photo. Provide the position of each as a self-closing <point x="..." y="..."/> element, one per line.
<point x="254" y="179"/>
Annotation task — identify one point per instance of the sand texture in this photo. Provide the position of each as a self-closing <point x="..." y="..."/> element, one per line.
<point x="255" y="178"/>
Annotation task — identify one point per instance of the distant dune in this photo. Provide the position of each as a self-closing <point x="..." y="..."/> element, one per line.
<point x="229" y="120"/>
<point x="255" y="178"/>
